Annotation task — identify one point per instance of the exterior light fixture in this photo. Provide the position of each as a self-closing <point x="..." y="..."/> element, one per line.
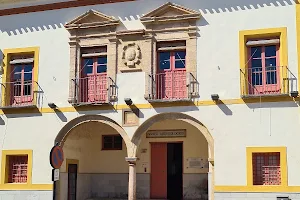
<point x="294" y="94"/>
<point x="128" y="101"/>
<point x="215" y="97"/>
<point x="52" y="105"/>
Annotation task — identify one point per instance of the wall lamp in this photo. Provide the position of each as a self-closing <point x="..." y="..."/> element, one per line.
<point x="128" y="101"/>
<point x="215" y="97"/>
<point x="294" y="94"/>
<point x="52" y="105"/>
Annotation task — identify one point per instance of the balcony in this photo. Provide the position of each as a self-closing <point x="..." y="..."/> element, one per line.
<point x="93" y="90"/>
<point x="268" y="81"/>
<point x="172" y="86"/>
<point x="21" y="94"/>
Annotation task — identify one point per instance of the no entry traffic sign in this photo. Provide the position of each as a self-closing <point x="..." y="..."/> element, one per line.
<point x="56" y="157"/>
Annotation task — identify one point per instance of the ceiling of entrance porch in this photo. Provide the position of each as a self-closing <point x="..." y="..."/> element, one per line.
<point x="90" y="131"/>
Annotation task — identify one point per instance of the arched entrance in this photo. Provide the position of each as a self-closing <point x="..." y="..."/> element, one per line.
<point x="175" y="158"/>
<point x="95" y="148"/>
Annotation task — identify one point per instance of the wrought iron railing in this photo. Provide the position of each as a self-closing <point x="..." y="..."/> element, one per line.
<point x="21" y="94"/>
<point x="271" y="80"/>
<point x="176" y="85"/>
<point x="95" y="89"/>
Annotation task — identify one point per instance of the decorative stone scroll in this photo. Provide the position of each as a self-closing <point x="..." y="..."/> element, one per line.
<point x="166" y="133"/>
<point x="131" y="54"/>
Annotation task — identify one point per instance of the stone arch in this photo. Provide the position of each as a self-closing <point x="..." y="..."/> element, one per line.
<point x="136" y="139"/>
<point x="63" y="133"/>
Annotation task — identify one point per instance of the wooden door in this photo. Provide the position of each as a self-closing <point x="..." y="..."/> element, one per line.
<point x="22" y="84"/>
<point x="158" y="171"/>
<point x="264" y="69"/>
<point x="94" y="80"/>
<point x="171" y="77"/>
<point x="72" y="181"/>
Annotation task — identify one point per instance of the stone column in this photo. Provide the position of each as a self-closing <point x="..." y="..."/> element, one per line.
<point x="132" y="178"/>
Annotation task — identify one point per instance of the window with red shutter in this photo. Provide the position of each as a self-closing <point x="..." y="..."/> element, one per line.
<point x="266" y="169"/>
<point x="17" y="171"/>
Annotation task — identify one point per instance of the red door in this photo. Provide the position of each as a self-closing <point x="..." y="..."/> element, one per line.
<point x="93" y="84"/>
<point x="264" y="72"/>
<point x="158" y="171"/>
<point x="171" y="76"/>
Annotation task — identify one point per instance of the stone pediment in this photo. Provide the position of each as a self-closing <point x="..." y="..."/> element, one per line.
<point x="170" y="12"/>
<point x="92" y="19"/>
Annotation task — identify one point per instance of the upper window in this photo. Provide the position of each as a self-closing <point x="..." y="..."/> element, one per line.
<point x="94" y="61"/>
<point x="20" y="85"/>
<point x="263" y="68"/>
<point x="264" y="63"/>
<point x="92" y="85"/>
<point x="21" y="79"/>
<point x="266" y="169"/>
<point x="170" y="78"/>
<point x="112" y="142"/>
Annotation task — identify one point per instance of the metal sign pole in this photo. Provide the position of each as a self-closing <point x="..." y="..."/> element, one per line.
<point x="54" y="190"/>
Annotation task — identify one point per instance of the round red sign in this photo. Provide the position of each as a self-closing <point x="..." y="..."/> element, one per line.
<point x="56" y="157"/>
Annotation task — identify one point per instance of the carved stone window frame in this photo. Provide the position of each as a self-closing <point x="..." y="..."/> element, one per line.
<point x="92" y="29"/>
<point x="179" y="26"/>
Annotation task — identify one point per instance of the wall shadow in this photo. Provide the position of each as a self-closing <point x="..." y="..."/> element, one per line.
<point x="225" y="109"/>
<point x="264" y="103"/>
<point x="2" y="122"/>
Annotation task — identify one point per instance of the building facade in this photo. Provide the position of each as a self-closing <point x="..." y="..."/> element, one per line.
<point x="150" y="99"/>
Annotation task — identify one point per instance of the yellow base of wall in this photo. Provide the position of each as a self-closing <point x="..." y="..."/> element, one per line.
<point x="16" y="186"/>
<point x="257" y="188"/>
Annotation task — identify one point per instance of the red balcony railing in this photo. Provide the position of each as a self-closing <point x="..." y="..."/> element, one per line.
<point x="270" y="80"/>
<point x="172" y="86"/>
<point x="21" y="94"/>
<point x="95" y="89"/>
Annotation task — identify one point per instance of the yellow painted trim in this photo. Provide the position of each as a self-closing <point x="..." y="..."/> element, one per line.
<point x="72" y="161"/>
<point x="257" y="189"/>
<point x="156" y="105"/>
<point x="40" y="187"/>
<point x="261" y="33"/>
<point x="6" y="69"/>
<point x="283" y="166"/>
<point x="298" y="37"/>
<point x="4" y="170"/>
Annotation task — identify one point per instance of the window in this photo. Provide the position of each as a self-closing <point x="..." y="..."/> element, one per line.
<point x="263" y="68"/>
<point x="264" y="62"/>
<point x="112" y="142"/>
<point x="171" y="71"/>
<point x="17" y="169"/>
<point x="93" y="80"/>
<point x="20" y="77"/>
<point x="16" y="166"/>
<point x="266" y="169"/>
<point x="266" y="166"/>
<point x="94" y="61"/>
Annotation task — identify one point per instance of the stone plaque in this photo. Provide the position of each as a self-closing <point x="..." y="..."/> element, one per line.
<point x="199" y="163"/>
<point x="166" y="133"/>
<point x="130" y="117"/>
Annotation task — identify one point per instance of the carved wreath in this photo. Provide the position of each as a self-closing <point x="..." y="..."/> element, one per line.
<point x="131" y="54"/>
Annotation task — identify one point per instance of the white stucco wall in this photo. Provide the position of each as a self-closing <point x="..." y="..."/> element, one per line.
<point x="234" y="127"/>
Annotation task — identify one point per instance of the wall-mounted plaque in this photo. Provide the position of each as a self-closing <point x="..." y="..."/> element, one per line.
<point x="130" y="117"/>
<point x="199" y="163"/>
<point x="166" y="133"/>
